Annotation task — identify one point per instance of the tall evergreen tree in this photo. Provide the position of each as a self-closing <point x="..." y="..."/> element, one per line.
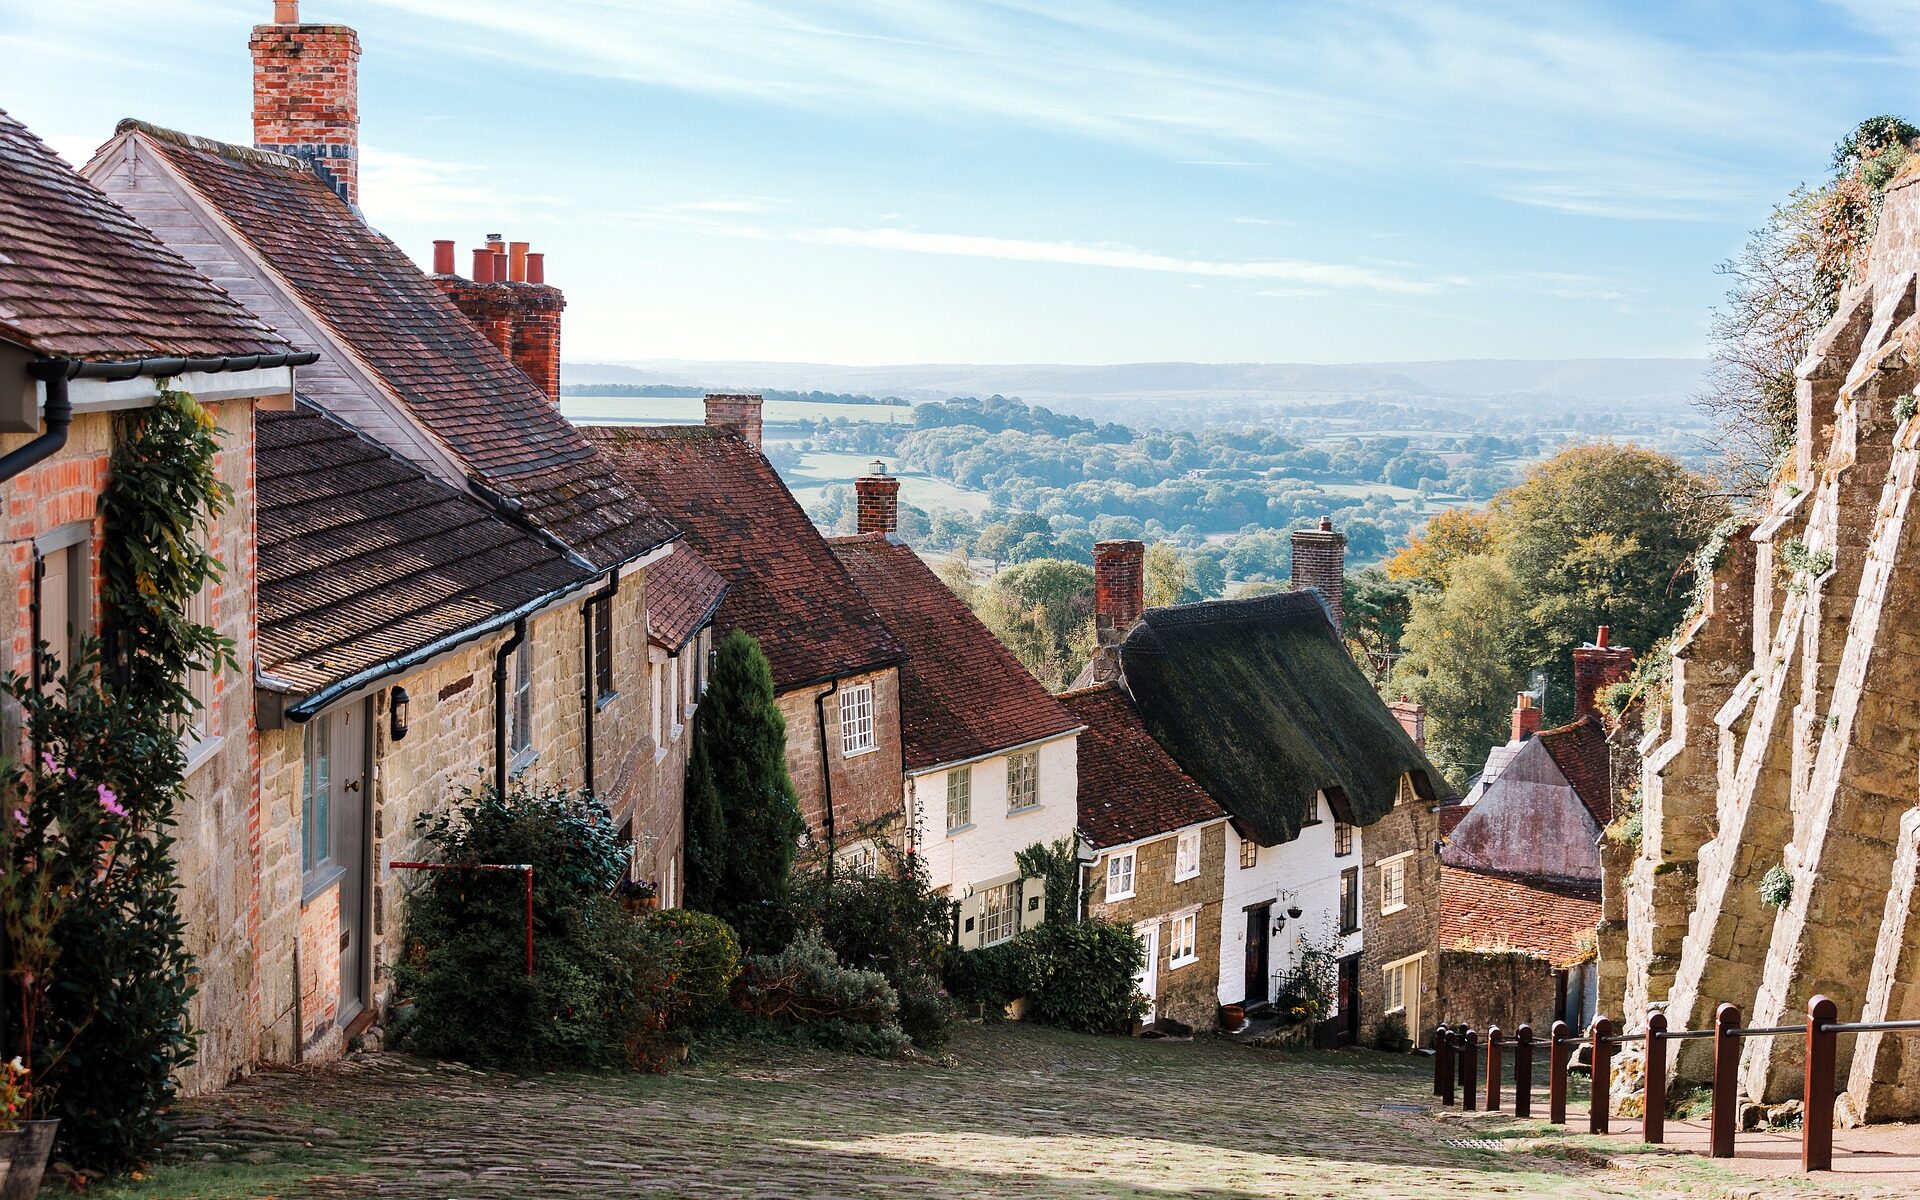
<point x="743" y="818"/>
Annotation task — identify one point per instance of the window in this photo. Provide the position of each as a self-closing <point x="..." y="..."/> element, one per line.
<point x="1120" y="876"/>
<point x="1400" y="989"/>
<point x="856" y="720"/>
<point x="1249" y="854"/>
<point x="1350" y="900"/>
<point x="862" y="860"/>
<point x="1393" y="883"/>
<point x="672" y="693"/>
<point x="959" y="798"/>
<point x="64" y="559"/>
<point x="1183" y="944"/>
<point x="602" y="616"/>
<point x="520" y="712"/>
<point x="200" y="683"/>
<point x="1186" y="855"/>
<point x="1394" y="979"/>
<point x="1342" y="839"/>
<point x="316" y="802"/>
<point x="999" y="913"/>
<point x="1023" y="780"/>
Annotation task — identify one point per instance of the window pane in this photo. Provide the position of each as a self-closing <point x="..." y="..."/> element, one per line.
<point x="1023" y="780"/>
<point x="959" y="797"/>
<point x="856" y="719"/>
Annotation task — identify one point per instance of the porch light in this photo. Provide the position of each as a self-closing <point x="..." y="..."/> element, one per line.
<point x="397" y="713"/>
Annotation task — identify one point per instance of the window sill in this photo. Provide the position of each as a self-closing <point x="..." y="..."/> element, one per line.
<point x="325" y="878"/>
<point x="1174" y="964"/>
<point x="846" y="753"/>
<point x="1119" y="896"/>
<point x="1184" y="878"/>
<point x="199" y="751"/>
<point x="605" y="699"/>
<point x="677" y="731"/>
<point x="1387" y="912"/>
<point x="519" y="763"/>
<point x="958" y="829"/>
<point x="1024" y="809"/>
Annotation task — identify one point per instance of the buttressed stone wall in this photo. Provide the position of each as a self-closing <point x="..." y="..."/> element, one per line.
<point x="1791" y="735"/>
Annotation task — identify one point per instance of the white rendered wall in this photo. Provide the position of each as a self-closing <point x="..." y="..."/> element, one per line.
<point x="1305" y="872"/>
<point x="980" y="854"/>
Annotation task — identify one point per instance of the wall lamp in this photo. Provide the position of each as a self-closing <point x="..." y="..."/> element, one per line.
<point x="397" y="705"/>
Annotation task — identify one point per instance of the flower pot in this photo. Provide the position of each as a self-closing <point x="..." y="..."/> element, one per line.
<point x="29" y="1160"/>
<point x="10" y="1143"/>
<point x="1232" y="1017"/>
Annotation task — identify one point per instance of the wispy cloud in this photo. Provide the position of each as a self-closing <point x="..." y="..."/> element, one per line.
<point x="407" y="187"/>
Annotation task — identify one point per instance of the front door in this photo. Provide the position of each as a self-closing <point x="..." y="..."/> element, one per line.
<point x="1350" y="1000"/>
<point x="1258" y="947"/>
<point x="1149" y="977"/>
<point x="352" y="847"/>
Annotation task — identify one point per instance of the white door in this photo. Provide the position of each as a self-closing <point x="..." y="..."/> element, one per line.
<point x="1149" y="976"/>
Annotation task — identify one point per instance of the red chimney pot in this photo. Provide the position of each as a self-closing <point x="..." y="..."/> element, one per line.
<point x="536" y="268"/>
<point x="517" y="261"/>
<point x="442" y="257"/>
<point x="483" y="266"/>
<point x="1600" y="639"/>
<point x="286" y="12"/>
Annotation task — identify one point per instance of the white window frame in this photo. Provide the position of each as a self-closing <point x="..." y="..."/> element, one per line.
<point x="200" y="727"/>
<point x="1023" y="781"/>
<point x="999" y="913"/>
<point x="1393" y="979"/>
<point x="862" y="860"/>
<point x="959" y="799"/>
<point x="1114" y="860"/>
<point x="1183" y="940"/>
<point x="1249" y="854"/>
<point x="520" y="705"/>
<point x="1393" y="883"/>
<point x="856" y="721"/>
<point x="1186" y="855"/>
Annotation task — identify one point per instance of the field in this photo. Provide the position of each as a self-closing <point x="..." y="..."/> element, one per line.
<point x="778" y="415"/>
<point x="820" y="470"/>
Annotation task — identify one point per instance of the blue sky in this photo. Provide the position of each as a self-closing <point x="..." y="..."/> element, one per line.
<point x="1052" y="180"/>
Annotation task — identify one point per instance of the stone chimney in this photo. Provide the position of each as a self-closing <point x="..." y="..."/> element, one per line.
<point x="737" y="411"/>
<point x="878" y="494"/>
<point x="1597" y="666"/>
<point x="1320" y="562"/>
<point x="509" y="301"/>
<point x="1412" y="716"/>
<point x="1119" y="588"/>
<point x="1526" y="718"/>
<point x="306" y="95"/>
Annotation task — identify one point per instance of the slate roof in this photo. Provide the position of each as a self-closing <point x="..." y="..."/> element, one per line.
<point x="79" y="278"/>
<point x="1547" y="919"/>
<point x="963" y="694"/>
<point x="785" y="587"/>
<point x="683" y="593"/>
<point x="1130" y="789"/>
<point x="1581" y="752"/>
<point x="364" y="557"/>
<point x="453" y="381"/>
<point x="1260" y="703"/>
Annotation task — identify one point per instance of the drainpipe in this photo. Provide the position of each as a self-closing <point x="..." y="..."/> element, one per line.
<point x="826" y="769"/>
<point x="591" y="679"/>
<point x="500" y="657"/>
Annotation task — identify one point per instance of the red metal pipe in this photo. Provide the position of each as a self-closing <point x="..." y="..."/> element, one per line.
<point x="525" y="869"/>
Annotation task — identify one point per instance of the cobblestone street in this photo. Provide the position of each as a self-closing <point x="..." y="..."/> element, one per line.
<point x="1021" y="1112"/>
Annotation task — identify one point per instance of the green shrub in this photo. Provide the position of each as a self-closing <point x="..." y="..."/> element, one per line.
<point x="807" y="992"/>
<point x="464" y="967"/>
<point x="1393" y="1031"/>
<point x="1081" y="977"/>
<point x="1776" y="887"/>
<point x="704" y="957"/>
<point x="983" y="982"/>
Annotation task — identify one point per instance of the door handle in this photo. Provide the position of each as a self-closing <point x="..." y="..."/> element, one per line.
<point x="352" y="785"/>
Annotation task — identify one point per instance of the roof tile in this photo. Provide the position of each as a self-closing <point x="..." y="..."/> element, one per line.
<point x="682" y="594"/>
<point x="1550" y="919"/>
<point x="1130" y="788"/>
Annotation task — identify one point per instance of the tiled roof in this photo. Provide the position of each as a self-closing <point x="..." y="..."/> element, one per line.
<point x="453" y="381"/>
<point x="1581" y="752"/>
<point x="1450" y="817"/>
<point x="1261" y="703"/>
<point x="962" y="694"/>
<point x="1129" y="788"/>
<point x="785" y="587"/>
<point x="682" y="594"/>
<point x="79" y="278"/>
<point x="363" y="558"/>
<point x="1548" y="919"/>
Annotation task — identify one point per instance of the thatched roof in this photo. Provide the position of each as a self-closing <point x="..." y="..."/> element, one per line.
<point x="1259" y="702"/>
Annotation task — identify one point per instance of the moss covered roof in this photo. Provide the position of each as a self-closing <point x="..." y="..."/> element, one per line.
<point x="1260" y="703"/>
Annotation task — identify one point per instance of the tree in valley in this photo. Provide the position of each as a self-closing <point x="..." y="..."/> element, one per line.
<point x="1043" y="612"/>
<point x="1464" y="650"/>
<point x="1449" y="536"/>
<point x="1377" y="608"/>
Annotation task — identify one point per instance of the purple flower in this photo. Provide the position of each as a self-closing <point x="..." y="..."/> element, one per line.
<point x="48" y="761"/>
<point x="20" y="815"/>
<point x="111" y="802"/>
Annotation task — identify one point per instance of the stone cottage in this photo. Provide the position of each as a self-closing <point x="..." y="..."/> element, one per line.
<point x="989" y="754"/>
<point x="836" y="665"/>
<point x="95" y="313"/>
<point x="1779" y="847"/>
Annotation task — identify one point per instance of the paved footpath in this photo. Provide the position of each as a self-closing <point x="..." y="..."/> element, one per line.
<point x="1016" y="1112"/>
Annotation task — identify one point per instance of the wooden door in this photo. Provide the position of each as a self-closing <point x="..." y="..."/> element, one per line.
<point x="352" y="850"/>
<point x="1149" y="976"/>
<point x="1259" y="947"/>
<point x="1349" y="1000"/>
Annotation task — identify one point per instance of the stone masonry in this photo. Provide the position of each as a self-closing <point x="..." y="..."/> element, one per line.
<point x="1189" y="993"/>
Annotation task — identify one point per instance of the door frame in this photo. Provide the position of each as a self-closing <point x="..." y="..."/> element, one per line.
<point x="1149" y="977"/>
<point x="356" y="903"/>
<point x="1260" y="977"/>
<point x="1350" y="1012"/>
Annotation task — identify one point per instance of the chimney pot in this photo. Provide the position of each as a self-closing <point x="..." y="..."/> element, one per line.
<point x="1600" y="639"/>
<point x="1326" y="524"/>
<point x="738" y="411"/>
<point x="483" y="266"/>
<point x="536" y="268"/>
<point x="442" y="257"/>
<point x="496" y="242"/>
<point x="1119" y="588"/>
<point x="517" y="261"/>
<point x="1526" y="718"/>
<point x="286" y="12"/>
<point x="499" y="266"/>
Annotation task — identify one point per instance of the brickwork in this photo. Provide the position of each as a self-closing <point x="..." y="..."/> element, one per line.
<point x="1119" y="587"/>
<point x="869" y="789"/>
<point x="1597" y="667"/>
<point x="1413" y="930"/>
<point x="878" y="500"/>
<point x="1189" y="993"/>
<point x="1320" y="562"/>
<point x="521" y="319"/>
<point x="736" y="411"/>
<point x="306" y="98"/>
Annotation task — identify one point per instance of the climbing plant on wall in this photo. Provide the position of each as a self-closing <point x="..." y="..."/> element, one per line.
<point x="106" y="777"/>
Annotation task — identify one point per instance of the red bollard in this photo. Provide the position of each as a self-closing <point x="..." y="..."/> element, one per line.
<point x="1493" y="1068"/>
<point x="1653" y="1123"/>
<point x="1558" y="1050"/>
<point x="1469" y="1043"/>
<point x="1816" y="1102"/>
<point x="1523" y="1071"/>
<point x="1726" y="1080"/>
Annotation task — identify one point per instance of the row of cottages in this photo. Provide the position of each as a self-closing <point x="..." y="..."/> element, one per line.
<point x="432" y="581"/>
<point x="1250" y="801"/>
<point x="1521" y="870"/>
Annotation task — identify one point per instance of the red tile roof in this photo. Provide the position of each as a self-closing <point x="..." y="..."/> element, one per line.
<point x="79" y="278"/>
<point x="785" y="587"/>
<point x="1548" y="919"/>
<point x="682" y="594"/>
<point x="363" y="558"/>
<point x="453" y="381"/>
<point x="962" y="694"/>
<point x="1129" y="787"/>
<point x="1581" y="752"/>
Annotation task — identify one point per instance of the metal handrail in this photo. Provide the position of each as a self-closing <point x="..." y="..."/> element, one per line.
<point x="1767" y="1030"/>
<point x="1868" y="1026"/>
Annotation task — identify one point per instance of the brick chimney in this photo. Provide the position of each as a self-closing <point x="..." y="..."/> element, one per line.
<point x="1320" y="562"/>
<point x="1526" y="718"/>
<point x="878" y="494"/>
<point x="510" y="302"/>
<point x="1119" y="588"/>
<point x="1412" y="716"/>
<point x="1596" y="666"/>
<point x="306" y="95"/>
<point x="737" y="411"/>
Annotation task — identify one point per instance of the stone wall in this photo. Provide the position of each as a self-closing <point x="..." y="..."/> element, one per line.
<point x="1412" y="931"/>
<point x="1188" y="993"/>
<point x="1481" y="988"/>
<point x="869" y="789"/>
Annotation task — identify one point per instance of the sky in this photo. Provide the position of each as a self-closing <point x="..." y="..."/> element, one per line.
<point x="1076" y="181"/>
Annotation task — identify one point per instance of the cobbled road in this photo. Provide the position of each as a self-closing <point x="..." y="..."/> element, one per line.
<point x="1015" y="1112"/>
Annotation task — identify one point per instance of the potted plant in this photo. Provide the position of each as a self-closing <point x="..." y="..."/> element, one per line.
<point x="639" y="895"/>
<point x="1232" y="1017"/>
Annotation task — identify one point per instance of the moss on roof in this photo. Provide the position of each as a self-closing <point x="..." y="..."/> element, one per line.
<point x="1259" y="702"/>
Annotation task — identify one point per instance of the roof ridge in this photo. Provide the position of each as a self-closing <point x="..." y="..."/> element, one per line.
<point x="1109" y="685"/>
<point x="194" y="141"/>
<point x="1203" y="612"/>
